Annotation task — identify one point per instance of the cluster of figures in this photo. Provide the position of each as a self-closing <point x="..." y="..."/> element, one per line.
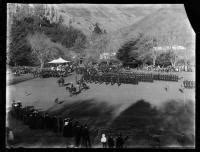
<point x="61" y="68"/>
<point x="73" y="89"/>
<point x="38" y="120"/>
<point x="168" y="68"/>
<point x="111" y="142"/>
<point x="17" y="71"/>
<point x="67" y="127"/>
<point x="91" y="75"/>
<point x="189" y="84"/>
<point x="46" y="73"/>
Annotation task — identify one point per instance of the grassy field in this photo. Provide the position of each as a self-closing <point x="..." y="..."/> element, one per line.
<point x="105" y="106"/>
<point x="11" y="79"/>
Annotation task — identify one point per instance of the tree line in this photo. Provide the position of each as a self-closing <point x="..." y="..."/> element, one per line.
<point x="140" y="51"/>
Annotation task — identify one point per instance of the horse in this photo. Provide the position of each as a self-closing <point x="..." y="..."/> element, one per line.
<point x="61" y="81"/>
<point x="73" y="91"/>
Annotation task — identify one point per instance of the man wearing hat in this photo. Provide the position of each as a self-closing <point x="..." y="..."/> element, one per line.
<point x="67" y="130"/>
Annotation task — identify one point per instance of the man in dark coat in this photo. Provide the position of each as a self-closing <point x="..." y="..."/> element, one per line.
<point x="110" y="142"/>
<point x="40" y="121"/>
<point x="67" y="130"/>
<point x="30" y="121"/>
<point x="120" y="141"/>
<point x="77" y="133"/>
<point x="46" y="121"/>
<point x="61" y="124"/>
<point x="55" y="124"/>
<point x="86" y="136"/>
<point x="50" y="123"/>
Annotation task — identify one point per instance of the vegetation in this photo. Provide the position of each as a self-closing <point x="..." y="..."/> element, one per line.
<point x="141" y="50"/>
<point x="131" y="50"/>
<point x="26" y="23"/>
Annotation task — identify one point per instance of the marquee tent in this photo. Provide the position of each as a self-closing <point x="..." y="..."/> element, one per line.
<point x="58" y="61"/>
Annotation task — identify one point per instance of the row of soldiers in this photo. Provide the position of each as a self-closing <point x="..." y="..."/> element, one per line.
<point x="166" y="77"/>
<point x="67" y="127"/>
<point x="189" y="84"/>
<point x="126" y="78"/>
<point x="36" y="119"/>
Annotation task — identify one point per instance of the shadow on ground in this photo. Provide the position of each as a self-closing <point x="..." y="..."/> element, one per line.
<point x="89" y="112"/>
<point x="171" y="124"/>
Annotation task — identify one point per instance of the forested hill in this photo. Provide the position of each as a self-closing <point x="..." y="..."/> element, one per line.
<point x="93" y="29"/>
<point x="109" y="17"/>
<point x="161" y="23"/>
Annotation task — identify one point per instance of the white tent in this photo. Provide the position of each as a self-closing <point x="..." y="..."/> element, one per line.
<point x="58" y="61"/>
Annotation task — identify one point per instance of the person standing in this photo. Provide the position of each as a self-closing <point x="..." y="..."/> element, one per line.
<point x="86" y="136"/>
<point x="110" y="142"/>
<point x="55" y="124"/>
<point x="67" y="130"/>
<point x="77" y="133"/>
<point x="10" y="136"/>
<point x="119" y="141"/>
<point x="61" y="124"/>
<point x="104" y="140"/>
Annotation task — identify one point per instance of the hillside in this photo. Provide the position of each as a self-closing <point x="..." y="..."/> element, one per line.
<point x="169" y="19"/>
<point x="118" y="24"/>
<point x="109" y="17"/>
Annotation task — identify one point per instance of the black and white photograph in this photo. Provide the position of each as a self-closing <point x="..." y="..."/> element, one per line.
<point x="100" y="76"/>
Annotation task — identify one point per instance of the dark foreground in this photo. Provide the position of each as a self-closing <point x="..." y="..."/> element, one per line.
<point x="146" y="126"/>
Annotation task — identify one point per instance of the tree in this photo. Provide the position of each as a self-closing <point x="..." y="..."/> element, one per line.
<point x="129" y="52"/>
<point x="171" y="39"/>
<point x="164" y="59"/>
<point x="43" y="47"/>
<point x="60" y="20"/>
<point x="97" y="29"/>
<point x="147" y="45"/>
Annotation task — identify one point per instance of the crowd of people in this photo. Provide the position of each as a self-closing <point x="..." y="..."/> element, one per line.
<point x="168" y="68"/>
<point x="17" y="71"/>
<point x="66" y="127"/>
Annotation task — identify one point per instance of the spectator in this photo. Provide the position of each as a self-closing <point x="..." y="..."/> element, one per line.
<point x="10" y="136"/>
<point x="77" y="133"/>
<point x="103" y="140"/>
<point x="61" y="124"/>
<point x="110" y="142"/>
<point x="86" y="136"/>
<point x="67" y="130"/>
<point x="119" y="141"/>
